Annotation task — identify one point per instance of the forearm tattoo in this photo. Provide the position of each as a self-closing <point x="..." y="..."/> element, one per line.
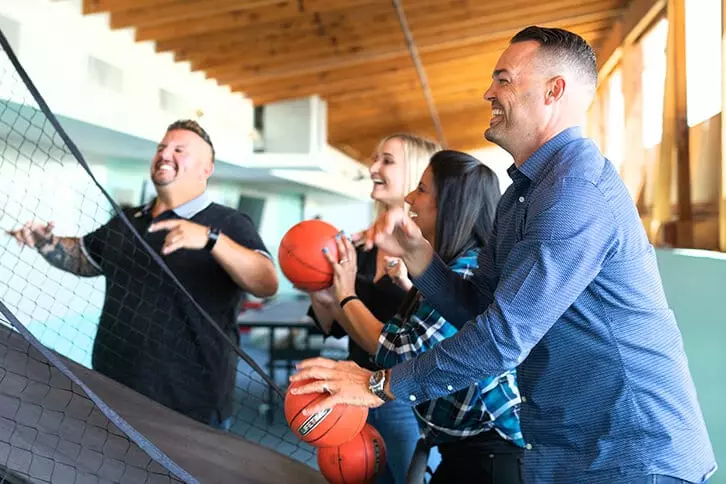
<point x="65" y="253"/>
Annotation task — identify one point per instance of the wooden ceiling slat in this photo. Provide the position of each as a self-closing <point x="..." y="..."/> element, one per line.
<point x="266" y="19"/>
<point x="347" y="38"/>
<point x="360" y="15"/>
<point x="98" y="6"/>
<point x="426" y="43"/>
<point x="439" y="64"/>
<point x="464" y="129"/>
<point x="341" y="23"/>
<point x="185" y="10"/>
<point x="404" y="80"/>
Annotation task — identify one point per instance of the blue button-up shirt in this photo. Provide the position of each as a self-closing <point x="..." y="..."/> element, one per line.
<point x="568" y="290"/>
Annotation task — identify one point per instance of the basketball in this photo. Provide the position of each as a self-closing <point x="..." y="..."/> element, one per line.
<point x="361" y="459"/>
<point x="328" y="428"/>
<point x="301" y="254"/>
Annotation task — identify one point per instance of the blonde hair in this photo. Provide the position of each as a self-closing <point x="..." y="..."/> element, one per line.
<point x="417" y="152"/>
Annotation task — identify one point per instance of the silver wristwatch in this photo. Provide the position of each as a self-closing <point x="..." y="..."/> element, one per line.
<point x="377" y="383"/>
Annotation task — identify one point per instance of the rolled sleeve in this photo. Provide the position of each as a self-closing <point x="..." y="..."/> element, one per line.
<point x="568" y="236"/>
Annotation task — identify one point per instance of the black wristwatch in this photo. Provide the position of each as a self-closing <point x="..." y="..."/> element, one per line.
<point x="377" y="383"/>
<point x="213" y="236"/>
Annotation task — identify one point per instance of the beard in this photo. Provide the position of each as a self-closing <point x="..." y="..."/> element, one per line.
<point x="162" y="179"/>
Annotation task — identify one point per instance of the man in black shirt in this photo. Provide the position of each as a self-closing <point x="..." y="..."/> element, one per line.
<point x="150" y="336"/>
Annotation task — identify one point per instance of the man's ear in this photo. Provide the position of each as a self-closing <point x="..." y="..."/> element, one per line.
<point x="555" y="89"/>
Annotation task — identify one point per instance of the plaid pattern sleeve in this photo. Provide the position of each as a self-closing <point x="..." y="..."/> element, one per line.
<point x="490" y="403"/>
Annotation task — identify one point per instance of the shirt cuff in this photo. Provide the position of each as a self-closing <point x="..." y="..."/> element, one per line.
<point x="404" y="384"/>
<point x="431" y="280"/>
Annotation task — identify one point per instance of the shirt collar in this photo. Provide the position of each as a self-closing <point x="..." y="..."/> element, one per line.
<point x="535" y="165"/>
<point x="186" y="210"/>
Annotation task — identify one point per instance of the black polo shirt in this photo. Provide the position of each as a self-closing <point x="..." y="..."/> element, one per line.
<point x="150" y="336"/>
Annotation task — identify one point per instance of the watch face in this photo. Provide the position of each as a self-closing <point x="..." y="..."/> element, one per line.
<point x="372" y="380"/>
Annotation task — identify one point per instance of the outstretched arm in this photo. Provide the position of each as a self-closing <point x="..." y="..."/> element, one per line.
<point x="458" y="300"/>
<point x="65" y="253"/>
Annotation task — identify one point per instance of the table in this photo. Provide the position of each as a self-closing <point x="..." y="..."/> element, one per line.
<point x="281" y="315"/>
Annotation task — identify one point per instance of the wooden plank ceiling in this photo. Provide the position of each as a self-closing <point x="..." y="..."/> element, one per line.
<point x="353" y="53"/>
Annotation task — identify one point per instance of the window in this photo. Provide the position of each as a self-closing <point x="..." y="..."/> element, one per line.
<point x="654" y="44"/>
<point x="703" y="59"/>
<point x="615" y="134"/>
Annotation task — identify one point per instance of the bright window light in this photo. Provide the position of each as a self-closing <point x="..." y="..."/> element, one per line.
<point x="703" y="59"/>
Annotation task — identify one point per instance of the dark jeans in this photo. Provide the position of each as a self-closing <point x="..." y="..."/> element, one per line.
<point x="482" y="459"/>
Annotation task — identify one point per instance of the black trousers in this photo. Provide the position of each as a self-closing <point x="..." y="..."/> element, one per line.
<point x="482" y="459"/>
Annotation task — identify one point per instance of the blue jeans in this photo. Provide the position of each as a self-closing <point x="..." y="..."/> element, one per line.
<point x="397" y="425"/>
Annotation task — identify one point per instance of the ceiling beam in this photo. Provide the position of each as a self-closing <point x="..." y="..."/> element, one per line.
<point x="420" y="72"/>
<point x="636" y="17"/>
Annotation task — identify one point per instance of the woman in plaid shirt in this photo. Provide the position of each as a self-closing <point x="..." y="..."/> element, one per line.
<point x="477" y="428"/>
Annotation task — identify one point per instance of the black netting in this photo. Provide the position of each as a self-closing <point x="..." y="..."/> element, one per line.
<point x="98" y="292"/>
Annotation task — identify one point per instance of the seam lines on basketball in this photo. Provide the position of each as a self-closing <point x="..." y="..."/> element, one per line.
<point x="312" y="268"/>
<point x="365" y="453"/>
<point x="340" y="466"/>
<point x="315" y="400"/>
<point x="297" y="414"/>
<point x="340" y="415"/>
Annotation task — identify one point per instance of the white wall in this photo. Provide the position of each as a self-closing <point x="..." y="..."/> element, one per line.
<point x="347" y="215"/>
<point x="61" y="49"/>
<point x="498" y="160"/>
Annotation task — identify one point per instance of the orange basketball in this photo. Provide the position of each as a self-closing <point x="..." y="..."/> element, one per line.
<point x="331" y="427"/>
<point x="301" y="254"/>
<point x="359" y="460"/>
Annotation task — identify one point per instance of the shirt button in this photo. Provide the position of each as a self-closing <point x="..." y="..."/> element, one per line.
<point x="528" y="446"/>
<point x="412" y="398"/>
<point x="524" y="399"/>
<point x="450" y="388"/>
<point x="521" y="199"/>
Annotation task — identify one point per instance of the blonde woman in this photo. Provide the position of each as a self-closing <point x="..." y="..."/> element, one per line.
<point x="398" y="163"/>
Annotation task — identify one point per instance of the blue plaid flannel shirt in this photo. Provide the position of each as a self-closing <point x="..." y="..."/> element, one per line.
<point x="492" y="402"/>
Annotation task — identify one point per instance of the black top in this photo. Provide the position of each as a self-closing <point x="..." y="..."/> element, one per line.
<point x="150" y="336"/>
<point x="382" y="299"/>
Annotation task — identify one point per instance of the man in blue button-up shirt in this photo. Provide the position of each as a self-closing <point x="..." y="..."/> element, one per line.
<point x="568" y="291"/>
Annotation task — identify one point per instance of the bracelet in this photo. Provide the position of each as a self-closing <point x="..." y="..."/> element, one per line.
<point x="347" y="300"/>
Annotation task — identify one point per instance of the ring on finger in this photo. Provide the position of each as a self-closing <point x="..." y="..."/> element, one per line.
<point x="342" y="261"/>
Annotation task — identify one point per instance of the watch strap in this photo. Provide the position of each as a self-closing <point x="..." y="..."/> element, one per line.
<point x="377" y="383"/>
<point x="212" y="238"/>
